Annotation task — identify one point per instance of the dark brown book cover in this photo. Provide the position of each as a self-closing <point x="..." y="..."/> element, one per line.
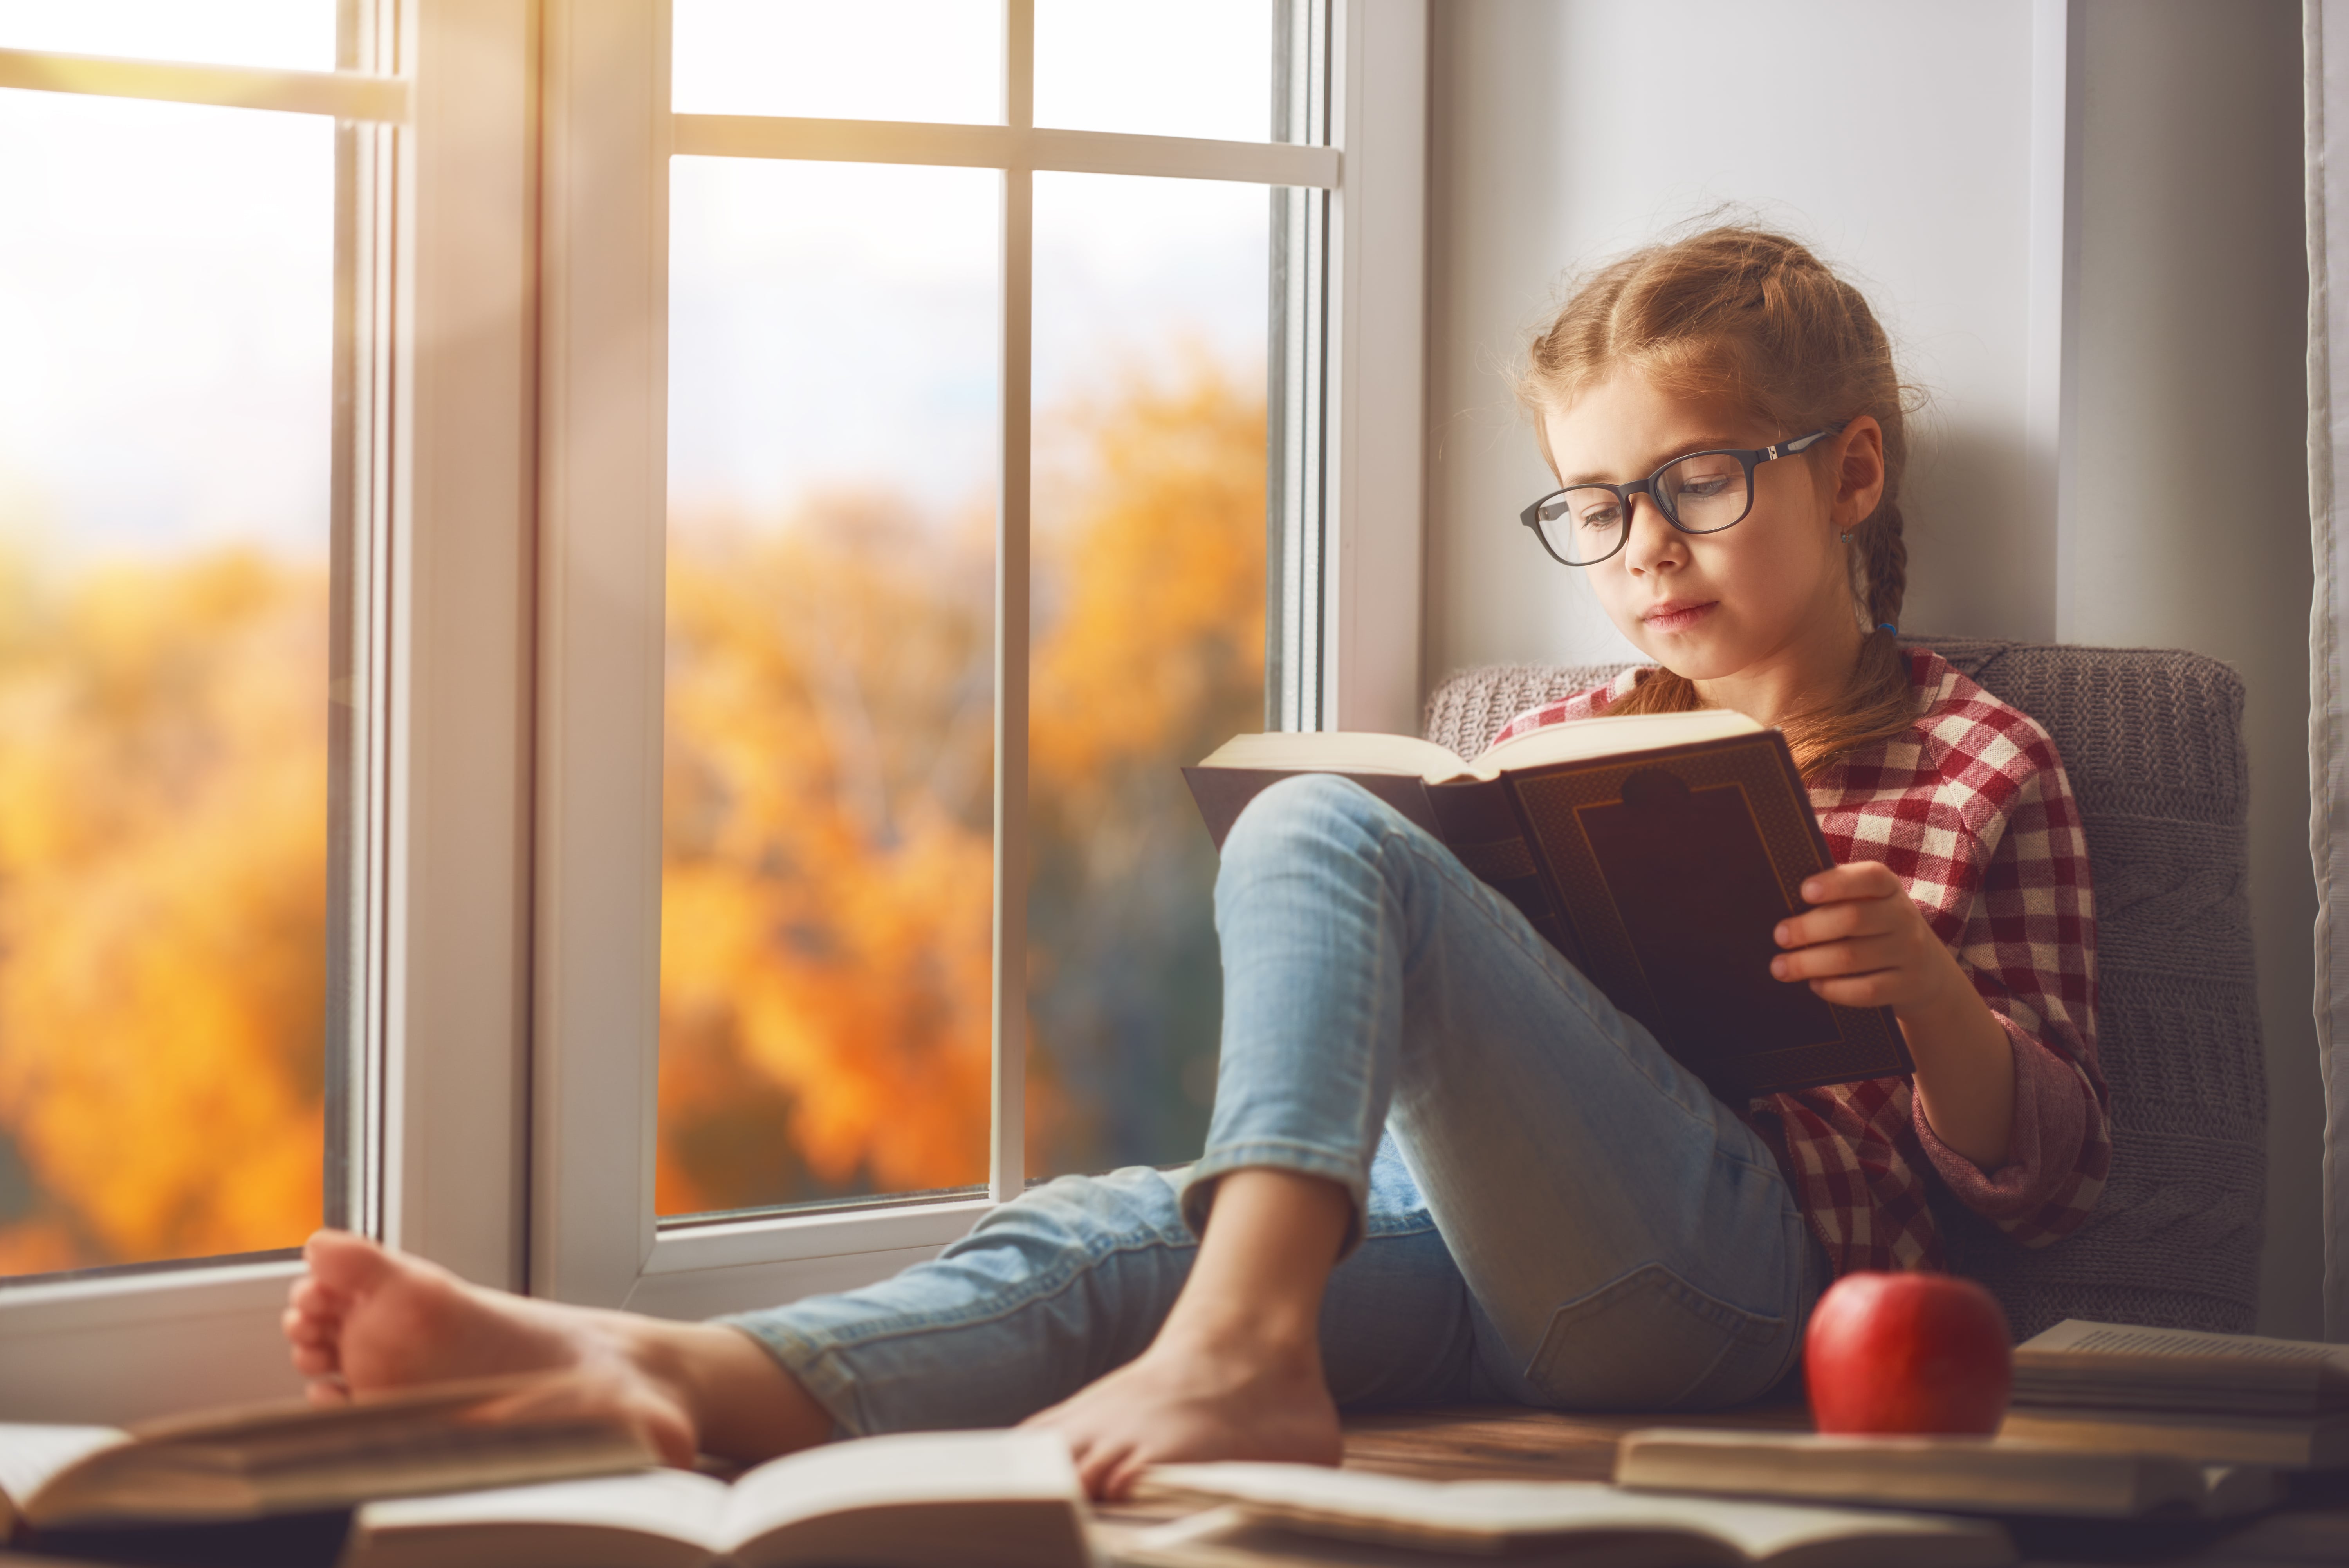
<point x="1660" y="875"/>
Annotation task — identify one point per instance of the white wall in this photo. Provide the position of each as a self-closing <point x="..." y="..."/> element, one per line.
<point x="1897" y="137"/>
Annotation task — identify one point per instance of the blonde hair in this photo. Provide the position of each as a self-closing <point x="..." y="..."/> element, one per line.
<point x="1753" y="316"/>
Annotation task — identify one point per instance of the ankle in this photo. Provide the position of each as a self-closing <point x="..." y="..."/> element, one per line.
<point x="1266" y="1335"/>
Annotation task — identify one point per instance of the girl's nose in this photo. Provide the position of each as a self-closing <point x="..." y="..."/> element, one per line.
<point x="1654" y="544"/>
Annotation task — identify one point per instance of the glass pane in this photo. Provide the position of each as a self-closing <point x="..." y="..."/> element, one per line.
<point x="1203" y="68"/>
<point x="292" y="35"/>
<point x="167" y="300"/>
<point x="876" y="59"/>
<point x="1148" y="644"/>
<point x="829" y="784"/>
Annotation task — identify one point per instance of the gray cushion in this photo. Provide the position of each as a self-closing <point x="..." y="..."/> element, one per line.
<point x="2152" y="740"/>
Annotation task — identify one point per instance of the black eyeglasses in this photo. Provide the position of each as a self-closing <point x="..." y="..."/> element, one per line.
<point x="1701" y="492"/>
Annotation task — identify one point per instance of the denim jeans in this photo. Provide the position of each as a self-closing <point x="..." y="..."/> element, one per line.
<point x="1548" y="1209"/>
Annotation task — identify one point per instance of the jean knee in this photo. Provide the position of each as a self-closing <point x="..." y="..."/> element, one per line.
<point x="1308" y="808"/>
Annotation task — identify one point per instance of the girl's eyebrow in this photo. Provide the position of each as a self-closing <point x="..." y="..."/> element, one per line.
<point x="1679" y="449"/>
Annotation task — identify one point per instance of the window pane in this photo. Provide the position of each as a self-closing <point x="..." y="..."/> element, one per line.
<point x="1203" y="68"/>
<point x="166" y="297"/>
<point x="875" y="59"/>
<point x="1148" y="644"/>
<point x="292" y="35"/>
<point x="829" y="783"/>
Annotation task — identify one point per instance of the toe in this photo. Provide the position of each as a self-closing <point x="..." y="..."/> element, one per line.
<point x="312" y="1299"/>
<point x="316" y="1360"/>
<point x="1100" y="1464"/>
<point x="1119" y="1485"/>
<point x="302" y="1328"/>
<point x="345" y="1264"/>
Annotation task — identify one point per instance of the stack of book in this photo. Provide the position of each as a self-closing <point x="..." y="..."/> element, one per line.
<point x="2219" y="1398"/>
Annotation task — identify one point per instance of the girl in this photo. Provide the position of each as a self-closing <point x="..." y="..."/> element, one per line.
<point x="1442" y="1165"/>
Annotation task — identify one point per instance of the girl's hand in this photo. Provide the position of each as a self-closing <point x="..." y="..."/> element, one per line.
<point x="1866" y="944"/>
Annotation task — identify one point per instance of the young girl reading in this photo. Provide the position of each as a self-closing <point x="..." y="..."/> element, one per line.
<point x="1442" y="1165"/>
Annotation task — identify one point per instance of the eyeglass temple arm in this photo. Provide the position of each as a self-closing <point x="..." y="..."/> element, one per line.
<point x="1800" y="443"/>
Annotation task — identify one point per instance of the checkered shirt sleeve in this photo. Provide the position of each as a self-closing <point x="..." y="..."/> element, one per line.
<point x="1972" y="811"/>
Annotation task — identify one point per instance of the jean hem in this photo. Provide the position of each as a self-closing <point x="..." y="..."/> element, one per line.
<point x="1349" y="1171"/>
<point x="809" y="1363"/>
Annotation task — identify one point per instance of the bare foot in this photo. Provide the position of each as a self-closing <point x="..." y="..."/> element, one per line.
<point x="1185" y="1399"/>
<point x="367" y="1318"/>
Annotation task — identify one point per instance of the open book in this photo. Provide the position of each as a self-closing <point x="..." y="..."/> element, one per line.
<point x="1274" y="1514"/>
<point x="292" y="1457"/>
<point x="1967" y="1475"/>
<point x="1657" y="851"/>
<point x="2214" y="1397"/>
<point x="984" y="1500"/>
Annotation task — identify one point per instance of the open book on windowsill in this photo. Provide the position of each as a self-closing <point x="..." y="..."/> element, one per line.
<point x="1657" y="851"/>
<point x="1275" y="1516"/>
<point x="290" y="1458"/>
<point x="974" y="1500"/>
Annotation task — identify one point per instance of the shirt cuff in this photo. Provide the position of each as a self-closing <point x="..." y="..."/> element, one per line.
<point x="2050" y="1123"/>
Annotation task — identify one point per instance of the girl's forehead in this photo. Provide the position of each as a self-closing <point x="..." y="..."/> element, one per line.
<point x="1630" y="418"/>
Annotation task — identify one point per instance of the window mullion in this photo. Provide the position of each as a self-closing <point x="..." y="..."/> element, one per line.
<point x="1007" y="1174"/>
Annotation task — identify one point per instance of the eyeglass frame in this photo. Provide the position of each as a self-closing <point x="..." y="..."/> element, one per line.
<point x="1749" y="458"/>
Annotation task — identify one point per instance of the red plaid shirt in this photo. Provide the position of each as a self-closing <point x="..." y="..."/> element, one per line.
<point x="1973" y="813"/>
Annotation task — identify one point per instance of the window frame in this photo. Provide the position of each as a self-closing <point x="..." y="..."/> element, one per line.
<point x="439" y="479"/>
<point x="1351" y="522"/>
<point x="507" y="491"/>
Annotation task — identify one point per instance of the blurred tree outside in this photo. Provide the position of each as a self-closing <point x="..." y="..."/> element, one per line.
<point x="827" y="853"/>
<point x="162" y="909"/>
<point x="825" y="946"/>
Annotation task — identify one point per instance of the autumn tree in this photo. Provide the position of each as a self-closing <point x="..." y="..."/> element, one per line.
<point x="162" y="908"/>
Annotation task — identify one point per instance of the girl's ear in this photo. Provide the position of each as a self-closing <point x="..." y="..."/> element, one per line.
<point x="1859" y="472"/>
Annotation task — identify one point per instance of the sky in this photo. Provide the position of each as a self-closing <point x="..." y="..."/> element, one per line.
<point x="166" y="270"/>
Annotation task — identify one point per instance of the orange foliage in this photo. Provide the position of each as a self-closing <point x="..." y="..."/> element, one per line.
<point x="828" y="872"/>
<point x="826" y="938"/>
<point x="1152" y="612"/>
<point x="827" y="847"/>
<point x="162" y="909"/>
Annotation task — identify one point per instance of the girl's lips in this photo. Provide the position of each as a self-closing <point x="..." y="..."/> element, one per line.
<point x="1678" y="618"/>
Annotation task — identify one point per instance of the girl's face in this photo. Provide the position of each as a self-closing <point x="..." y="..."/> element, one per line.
<point x="1770" y="592"/>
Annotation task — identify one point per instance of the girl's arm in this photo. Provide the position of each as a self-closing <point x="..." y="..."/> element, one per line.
<point x="1866" y="944"/>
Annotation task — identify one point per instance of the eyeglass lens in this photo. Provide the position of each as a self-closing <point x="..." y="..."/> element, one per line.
<point x="1702" y="493"/>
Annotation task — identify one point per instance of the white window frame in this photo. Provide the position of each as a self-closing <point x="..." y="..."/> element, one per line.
<point x="509" y="498"/>
<point x="443" y="109"/>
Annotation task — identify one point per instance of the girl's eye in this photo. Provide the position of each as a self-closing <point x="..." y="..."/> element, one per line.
<point x="1705" y="487"/>
<point x="1603" y="514"/>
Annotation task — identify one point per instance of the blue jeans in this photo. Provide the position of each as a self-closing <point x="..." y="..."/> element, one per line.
<point x="1548" y="1209"/>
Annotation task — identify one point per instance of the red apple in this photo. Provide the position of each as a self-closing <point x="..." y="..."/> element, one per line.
<point x="1907" y="1353"/>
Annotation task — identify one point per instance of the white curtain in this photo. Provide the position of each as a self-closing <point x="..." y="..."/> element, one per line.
<point x="2327" y="100"/>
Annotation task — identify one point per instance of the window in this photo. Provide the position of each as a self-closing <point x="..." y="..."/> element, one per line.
<point x="792" y="521"/>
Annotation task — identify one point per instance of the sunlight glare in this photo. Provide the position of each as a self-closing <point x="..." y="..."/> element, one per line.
<point x="877" y="59"/>
<point x="289" y="34"/>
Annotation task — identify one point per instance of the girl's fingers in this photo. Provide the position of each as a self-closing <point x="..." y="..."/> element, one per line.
<point x="1828" y="961"/>
<point x="1863" y="917"/>
<point x="1861" y="880"/>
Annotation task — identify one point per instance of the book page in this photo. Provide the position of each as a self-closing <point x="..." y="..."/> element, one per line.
<point x="677" y="1504"/>
<point x="906" y="1468"/>
<point x="1492" y="1512"/>
<point x="30" y="1455"/>
<point x="2078" y="1336"/>
<point x="1605" y="737"/>
<point x="1336" y="751"/>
